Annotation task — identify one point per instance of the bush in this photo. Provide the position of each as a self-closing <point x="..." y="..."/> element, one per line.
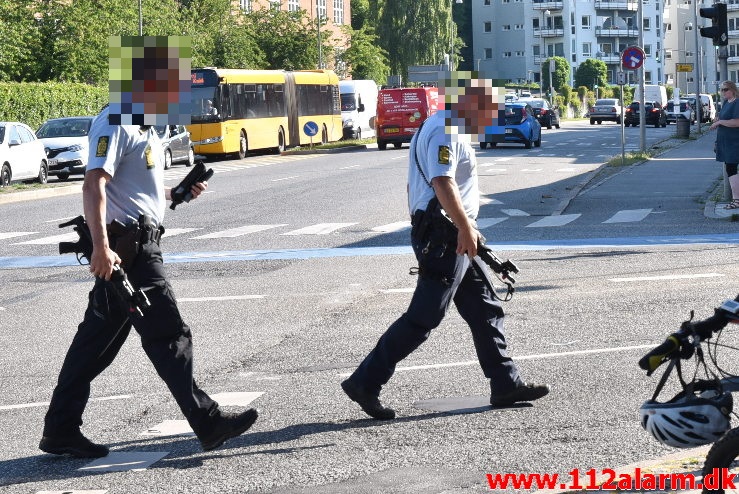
<point x="35" y="102"/>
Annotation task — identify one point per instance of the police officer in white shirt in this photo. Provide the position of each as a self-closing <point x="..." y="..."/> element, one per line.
<point x="442" y="170"/>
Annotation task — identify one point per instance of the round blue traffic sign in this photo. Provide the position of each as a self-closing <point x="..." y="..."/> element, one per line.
<point x="310" y="128"/>
<point x="632" y="58"/>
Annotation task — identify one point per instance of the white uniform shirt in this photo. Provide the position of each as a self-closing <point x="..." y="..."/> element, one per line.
<point x="135" y="161"/>
<point x="438" y="156"/>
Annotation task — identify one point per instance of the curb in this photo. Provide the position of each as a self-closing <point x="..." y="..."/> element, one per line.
<point x="30" y="195"/>
<point x="344" y="149"/>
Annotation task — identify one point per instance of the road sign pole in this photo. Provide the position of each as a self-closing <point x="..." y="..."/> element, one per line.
<point x="623" y="137"/>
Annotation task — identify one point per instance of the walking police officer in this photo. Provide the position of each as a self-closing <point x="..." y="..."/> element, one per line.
<point x="124" y="184"/>
<point x="443" y="169"/>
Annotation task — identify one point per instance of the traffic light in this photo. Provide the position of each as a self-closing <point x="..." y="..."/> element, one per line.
<point x="719" y="30"/>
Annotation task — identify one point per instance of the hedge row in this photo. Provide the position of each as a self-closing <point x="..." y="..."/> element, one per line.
<point x="35" y="102"/>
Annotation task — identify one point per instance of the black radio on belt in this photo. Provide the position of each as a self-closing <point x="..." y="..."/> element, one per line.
<point x="182" y="192"/>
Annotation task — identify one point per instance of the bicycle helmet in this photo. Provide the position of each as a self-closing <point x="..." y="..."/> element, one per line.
<point x="688" y="420"/>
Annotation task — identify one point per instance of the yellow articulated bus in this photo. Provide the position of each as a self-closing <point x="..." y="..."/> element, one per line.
<point x="235" y="111"/>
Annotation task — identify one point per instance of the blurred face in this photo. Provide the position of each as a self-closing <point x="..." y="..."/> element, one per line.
<point x="475" y="105"/>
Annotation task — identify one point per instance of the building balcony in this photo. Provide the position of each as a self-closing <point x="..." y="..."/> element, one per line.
<point x="548" y="5"/>
<point x="732" y="60"/>
<point x="549" y="32"/>
<point x="616" y="5"/>
<point x="617" y="32"/>
<point x="732" y="6"/>
<point x="610" y="58"/>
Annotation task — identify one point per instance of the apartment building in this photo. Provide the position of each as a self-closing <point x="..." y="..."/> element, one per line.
<point x="513" y="37"/>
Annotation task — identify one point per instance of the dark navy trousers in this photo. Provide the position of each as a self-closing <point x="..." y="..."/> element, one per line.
<point x="165" y="337"/>
<point x="444" y="277"/>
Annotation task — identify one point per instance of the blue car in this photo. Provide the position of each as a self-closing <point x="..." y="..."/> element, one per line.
<point x="521" y="126"/>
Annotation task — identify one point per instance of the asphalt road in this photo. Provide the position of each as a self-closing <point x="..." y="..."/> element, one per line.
<point x="288" y="271"/>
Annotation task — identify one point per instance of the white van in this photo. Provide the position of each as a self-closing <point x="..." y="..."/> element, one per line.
<point x="708" y="109"/>
<point x="652" y="92"/>
<point x="358" y="108"/>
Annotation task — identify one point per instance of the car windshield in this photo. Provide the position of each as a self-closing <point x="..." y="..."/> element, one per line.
<point x="538" y="104"/>
<point x="2" y="134"/>
<point x="513" y="114"/>
<point x="605" y="102"/>
<point x="77" y="127"/>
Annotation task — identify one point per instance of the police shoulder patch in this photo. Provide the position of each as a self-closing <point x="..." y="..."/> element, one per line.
<point x="102" y="147"/>
<point x="443" y="155"/>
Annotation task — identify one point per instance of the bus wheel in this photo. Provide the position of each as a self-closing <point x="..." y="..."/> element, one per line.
<point x="397" y="145"/>
<point x="243" y="145"/>
<point x="280" y="141"/>
<point x="381" y="145"/>
<point x="324" y="136"/>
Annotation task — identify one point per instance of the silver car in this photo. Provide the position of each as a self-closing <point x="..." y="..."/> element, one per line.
<point x="65" y="143"/>
<point x="177" y="145"/>
<point x="608" y="109"/>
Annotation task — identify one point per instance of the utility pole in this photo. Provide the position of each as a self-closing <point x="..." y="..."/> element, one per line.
<point x="698" y="69"/>
<point x="640" y="76"/>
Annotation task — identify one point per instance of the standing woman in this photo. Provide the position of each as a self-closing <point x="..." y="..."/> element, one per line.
<point x="727" y="138"/>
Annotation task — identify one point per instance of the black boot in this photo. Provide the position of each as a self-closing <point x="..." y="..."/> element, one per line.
<point x="226" y="426"/>
<point x="76" y="445"/>
<point x="369" y="402"/>
<point x="522" y="392"/>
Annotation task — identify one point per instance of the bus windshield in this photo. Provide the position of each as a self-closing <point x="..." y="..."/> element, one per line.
<point x="206" y="104"/>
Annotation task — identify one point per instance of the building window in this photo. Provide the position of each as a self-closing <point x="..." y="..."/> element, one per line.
<point x="488" y="53"/>
<point x="486" y="2"/>
<point x="586" y="50"/>
<point x="518" y="27"/>
<point x="648" y="50"/>
<point x="488" y="27"/>
<point x="647" y="77"/>
<point x="245" y="5"/>
<point x="520" y="54"/>
<point x="321" y="9"/>
<point x="647" y="24"/>
<point x="507" y="27"/>
<point x="506" y="54"/>
<point x="668" y="54"/>
<point x="338" y="12"/>
<point x="293" y="5"/>
<point x="585" y="22"/>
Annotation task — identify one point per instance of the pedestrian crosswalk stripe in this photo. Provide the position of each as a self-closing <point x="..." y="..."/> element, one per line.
<point x="54" y="239"/>
<point x="629" y="216"/>
<point x="124" y="461"/>
<point x="488" y="222"/>
<point x="319" y="229"/>
<point x="514" y="212"/>
<point x="557" y="220"/>
<point x="7" y="235"/>
<point x="171" y="232"/>
<point x="242" y="230"/>
<point x="392" y="227"/>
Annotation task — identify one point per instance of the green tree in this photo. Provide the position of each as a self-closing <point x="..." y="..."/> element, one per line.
<point x="366" y="59"/>
<point x="592" y="72"/>
<point x="360" y="14"/>
<point x="288" y="39"/>
<point x="560" y="76"/>
<point x="414" y="33"/>
<point x="18" y="32"/>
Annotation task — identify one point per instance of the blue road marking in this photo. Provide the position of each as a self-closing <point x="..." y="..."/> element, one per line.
<point x="322" y="253"/>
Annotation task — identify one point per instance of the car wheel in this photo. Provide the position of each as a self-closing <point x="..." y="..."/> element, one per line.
<point x="5" y="176"/>
<point x="618" y="121"/>
<point x="549" y="127"/>
<point x="592" y="122"/>
<point x="493" y="144"/>
<point x="63" y="176"/>
<point x="43" y="173"/>
<point x="483" y="145"/>
<point x="528" y="143"/>
<point x="243" y="146"/>
<point x="359" y="134"/>
<point x="557" y="126"/>
<point x="280" y="141"/>
<point x="190" y="157"/>
<point x="397" y="145"/>
<point x="381" y="145"/>
<point x="167" y="159"/>
<point x="537" y="142"/>
<point x="600" y="122"/>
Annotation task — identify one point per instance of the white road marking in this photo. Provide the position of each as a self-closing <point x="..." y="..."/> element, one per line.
<point x="487" y="222"/>
<point x="523" y="357"/>
<point x="319" y="229"/>
<point x="628" y="216"/>
<point x="668" y="277"/>
<point x="169" y="428"/>
<point x="489" y="200"/>
<point x="514" y="212"/>
<point x="46" y="403"/>
<point x="124" y="462"/>
<point x="59" y="220"/>
<point x="220" y="299"/>
<point x="242" y="230"/>
<point x="236" y="398"/>
<point x="566" y="169"/>
<point x="532" y="169"/>
<point x="392" y="227"/>
<point x="348" y="167"/>
<point x="557" y="220"/>
<point x="171" y="232"/>
<point x="5" y="235"/>
<point x="501" y="160"/>
<point x="54" y="239"/>
<point x="284" y="178"/>
<point x="398" y="290"/>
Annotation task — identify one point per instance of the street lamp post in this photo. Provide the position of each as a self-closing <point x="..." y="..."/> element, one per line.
<point x="543" y="56"/>
<point x="687" y="26"/>
<point x="318" y="29"/>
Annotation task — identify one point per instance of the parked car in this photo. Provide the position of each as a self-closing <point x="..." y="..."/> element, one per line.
<point x="177" y="145"/>
<point x="547" y="115"/>
<point x="606" y="109"/>
<point x="520" y="126"/>
<point x="65" y="143"/>
<point x="682" y="110"/>
<point x="655" y="114"/>
<point x="22" y="155"/>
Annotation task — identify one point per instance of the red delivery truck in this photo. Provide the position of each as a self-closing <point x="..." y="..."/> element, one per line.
<point x="401" y="111"/>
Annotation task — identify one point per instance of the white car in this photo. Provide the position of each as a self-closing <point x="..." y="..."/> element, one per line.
<point x="66" y="143"/>
<point x="22" y="155"/>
